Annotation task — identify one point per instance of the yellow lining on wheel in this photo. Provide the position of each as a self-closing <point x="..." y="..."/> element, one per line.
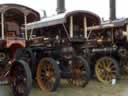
<point x="39" y="77"/>
<point x="103" y="73"/>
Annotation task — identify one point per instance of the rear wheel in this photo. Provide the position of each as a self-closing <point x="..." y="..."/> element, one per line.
<point x="106" y="69"/>
<point x="80" y="72"/>
<point x="48" y="74"/>
<point x="20" y="78"/>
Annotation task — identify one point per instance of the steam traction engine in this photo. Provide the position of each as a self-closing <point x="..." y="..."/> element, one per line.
<point x="50" y="53"/>
<point x="12" y="33"/>
<point x="55" y="46"/>
<point x="107" y="47"/>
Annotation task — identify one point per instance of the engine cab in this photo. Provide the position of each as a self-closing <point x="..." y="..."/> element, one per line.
<point x="13" y="32"/>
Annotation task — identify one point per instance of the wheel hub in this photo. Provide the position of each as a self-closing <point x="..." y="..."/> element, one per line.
<point x="107" y="69"/>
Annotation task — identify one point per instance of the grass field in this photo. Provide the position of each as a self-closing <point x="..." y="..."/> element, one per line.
<point x="94" y="88"/>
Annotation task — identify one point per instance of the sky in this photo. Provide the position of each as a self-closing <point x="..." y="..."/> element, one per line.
<point x="100" y="7"/>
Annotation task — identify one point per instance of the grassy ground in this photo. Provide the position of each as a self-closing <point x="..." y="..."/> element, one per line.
<point x="94" y="88"/>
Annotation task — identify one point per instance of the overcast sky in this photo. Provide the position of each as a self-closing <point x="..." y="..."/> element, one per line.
<point x="100" y="7"/>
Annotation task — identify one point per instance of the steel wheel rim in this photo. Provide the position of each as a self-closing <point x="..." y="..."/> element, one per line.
<point x="105" y="70"/>
<point x="45" y="75"/>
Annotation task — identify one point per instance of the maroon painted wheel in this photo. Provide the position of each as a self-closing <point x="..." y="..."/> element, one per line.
<point x="80" y="72"/>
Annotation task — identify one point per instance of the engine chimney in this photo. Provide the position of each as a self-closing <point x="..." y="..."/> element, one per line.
<point x="60" y="6"/>
<point x="112" y="9"/>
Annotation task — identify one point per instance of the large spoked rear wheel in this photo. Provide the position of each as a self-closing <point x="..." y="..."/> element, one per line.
<point x="106" y="69"/>
<point x="80" y="72"/>
<point x="48" y="74"/>
<point x="20" y="78"/>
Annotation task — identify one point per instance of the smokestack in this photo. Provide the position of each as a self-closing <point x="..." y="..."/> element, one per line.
<point x="60" y="6"/>
<point x="112" y="9"/>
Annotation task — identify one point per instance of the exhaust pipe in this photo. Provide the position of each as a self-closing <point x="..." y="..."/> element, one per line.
<point x="112" y="9"/>
<point x="60" y="6"/>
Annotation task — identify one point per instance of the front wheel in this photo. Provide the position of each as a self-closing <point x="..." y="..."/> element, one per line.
<point x="20" y="78"/>
<point x="80" y="72"/>
<point x="106" y="69"/>
<point x="48" y="74"/>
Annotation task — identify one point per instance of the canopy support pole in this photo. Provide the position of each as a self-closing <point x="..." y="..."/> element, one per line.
<point x="127" y="31"/>
<point x="85" y="27"/>
<point x="25" y="22"/>
<point x="71" y="26"/>
<point x="2" y="25"/>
